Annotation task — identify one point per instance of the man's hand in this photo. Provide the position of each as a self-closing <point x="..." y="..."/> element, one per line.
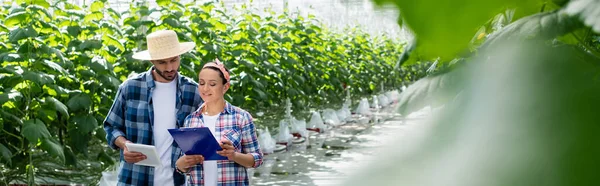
<point x="185" y="161"/>
<point x="228" y="149"/>
<point x="130" y="157"/>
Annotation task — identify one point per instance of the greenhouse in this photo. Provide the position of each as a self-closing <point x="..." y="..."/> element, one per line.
<point x="314" y="92"/>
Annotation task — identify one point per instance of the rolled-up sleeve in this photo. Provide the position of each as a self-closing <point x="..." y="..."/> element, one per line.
<point x="250" y="141"/>
<point x="114" y="122"/>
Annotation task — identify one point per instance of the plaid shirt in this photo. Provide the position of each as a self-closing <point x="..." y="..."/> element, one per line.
<point x="131" y="116"/>
<point x="236" y="125"/>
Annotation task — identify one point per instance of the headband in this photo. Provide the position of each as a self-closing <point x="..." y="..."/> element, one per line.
<point x="217" y="64"/>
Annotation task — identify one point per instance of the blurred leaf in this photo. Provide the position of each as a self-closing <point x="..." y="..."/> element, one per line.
<point x="70" y="158"/>
<point x="95" y="16"/>
<point x="543" y="25"/>
<point x="85" y="124"/>
<point x="16" y="18"/>
<point x="79" y="141"/>
<point x="42" y="3"/>
<point x="74" y="31"/>
<point x="98" y="65"/>
<point x="519" y="97"/>
<point x="588" y="12"/>
<point x="79" y="101"/>
<point x="90" y="44"/>
<point x="426" y="91"/>
<point x="59" y="106"/>
<point x="34" y="130"/>
<point x="51" y="146"/>
<point x="111" y="41"/>
<point x="39" y="78"/>
<point x="103" y="157"/>
<point x="261" y="94"/>
<point x="110" y="80"/>
<point x="48" y="28"/>
<point x="3" y="28"/>
<point x="100" y="134"/>
<point x="6" y="154"/>
<point x="406" y="58"/>
<point x="3" y="98"/>
<point x="447" y="31"/>
<point x="172" y="22"/>
<point x="40" y="9"/>
<point x="54" y="66"/>
<point x="97" y="6"/>
<point x="16" y="35"/>
<point x="163" y="3"/>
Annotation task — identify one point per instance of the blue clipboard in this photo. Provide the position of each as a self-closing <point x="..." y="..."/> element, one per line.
<point x="197" y="141"/>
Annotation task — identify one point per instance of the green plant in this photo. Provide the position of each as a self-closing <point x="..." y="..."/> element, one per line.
<point x="518" y="105"/>
<point x="62" y="64"/>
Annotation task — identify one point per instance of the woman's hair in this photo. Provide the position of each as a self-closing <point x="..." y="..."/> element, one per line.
<point x="220" y="73"/>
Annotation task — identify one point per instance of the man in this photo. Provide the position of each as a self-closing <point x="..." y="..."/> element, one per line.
<point x="146" y="106"/>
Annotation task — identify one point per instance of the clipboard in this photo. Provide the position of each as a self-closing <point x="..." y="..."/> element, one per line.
<point x="149" y="151"/>
<point x="197" y="141"/>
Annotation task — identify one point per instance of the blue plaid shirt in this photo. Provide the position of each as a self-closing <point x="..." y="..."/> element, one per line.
<point x="132" y="114"/>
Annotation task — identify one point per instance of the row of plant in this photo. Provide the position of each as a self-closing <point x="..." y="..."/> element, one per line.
<point x="61" y="66"/>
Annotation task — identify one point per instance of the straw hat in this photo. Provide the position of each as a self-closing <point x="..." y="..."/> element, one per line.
<point x="163" y="44"/>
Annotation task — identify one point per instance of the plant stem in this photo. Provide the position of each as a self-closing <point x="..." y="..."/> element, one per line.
<point x="585" y="45"/>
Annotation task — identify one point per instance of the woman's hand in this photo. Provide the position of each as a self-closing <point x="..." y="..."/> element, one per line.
<point x="185" y="162"/>
<point x="228" y="149"/>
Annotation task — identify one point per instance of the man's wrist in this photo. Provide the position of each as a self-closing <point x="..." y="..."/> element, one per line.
<point x="120" y="142"/>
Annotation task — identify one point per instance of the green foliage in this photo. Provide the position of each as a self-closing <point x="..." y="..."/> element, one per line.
<point x="518" y="97"/>
<point x="541" y="26"/>
<point x="587" y="11"/>
<point x="62" y="64"/>
<point x="530" y="84"/>
<point x="450" y="25"/>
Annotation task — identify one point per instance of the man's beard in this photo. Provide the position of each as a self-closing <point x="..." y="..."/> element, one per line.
<point x="161" y="74"/>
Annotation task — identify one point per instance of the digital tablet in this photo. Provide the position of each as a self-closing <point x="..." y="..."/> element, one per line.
<point x="152" y="158"/>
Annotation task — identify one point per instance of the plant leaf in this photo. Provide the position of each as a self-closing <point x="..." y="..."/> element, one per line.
<point x="70" y="158"/>
<point x="79" y="141"/>
<point x="79" y="101"/>
<point x="85" y="124"/>
<point x="51" y="146"/>
<point x="59" y="106"/>
<point x="16" y="35"/>
<point x="588" y="12"/>
<point x="111" y="41"/>
<point x="33" y="130"/>
<point x="38" y="78"/>
<point x="96" y="6"/>
<point x="6" y="154"/>
<point x="54" y="66"/>
<point x="543" y="25"/>
<point x="432" y="90"/>
<point x="517" y="98"/>
<point x="96" y="16"/>
<point x="15" y="18"/>
<point x="42" y="3"/>
<point x="110" y="80"/>
<point x="90" y="44"/>
<point x="447" y="31"/>
<point x="40" y="9"/>
<point x="163" y="3"/>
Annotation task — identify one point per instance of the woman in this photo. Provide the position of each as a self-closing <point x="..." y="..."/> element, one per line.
<point x="230" y="125"/>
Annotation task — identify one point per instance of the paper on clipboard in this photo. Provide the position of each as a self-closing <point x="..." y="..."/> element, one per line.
<point x="149" y="151"/>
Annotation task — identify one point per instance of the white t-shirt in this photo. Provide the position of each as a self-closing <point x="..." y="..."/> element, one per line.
<point x="210" y="167"/>
<point x="163" y="98"/>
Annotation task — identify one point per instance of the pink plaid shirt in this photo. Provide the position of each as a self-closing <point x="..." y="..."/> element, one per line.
<point x="236" y="125"/>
